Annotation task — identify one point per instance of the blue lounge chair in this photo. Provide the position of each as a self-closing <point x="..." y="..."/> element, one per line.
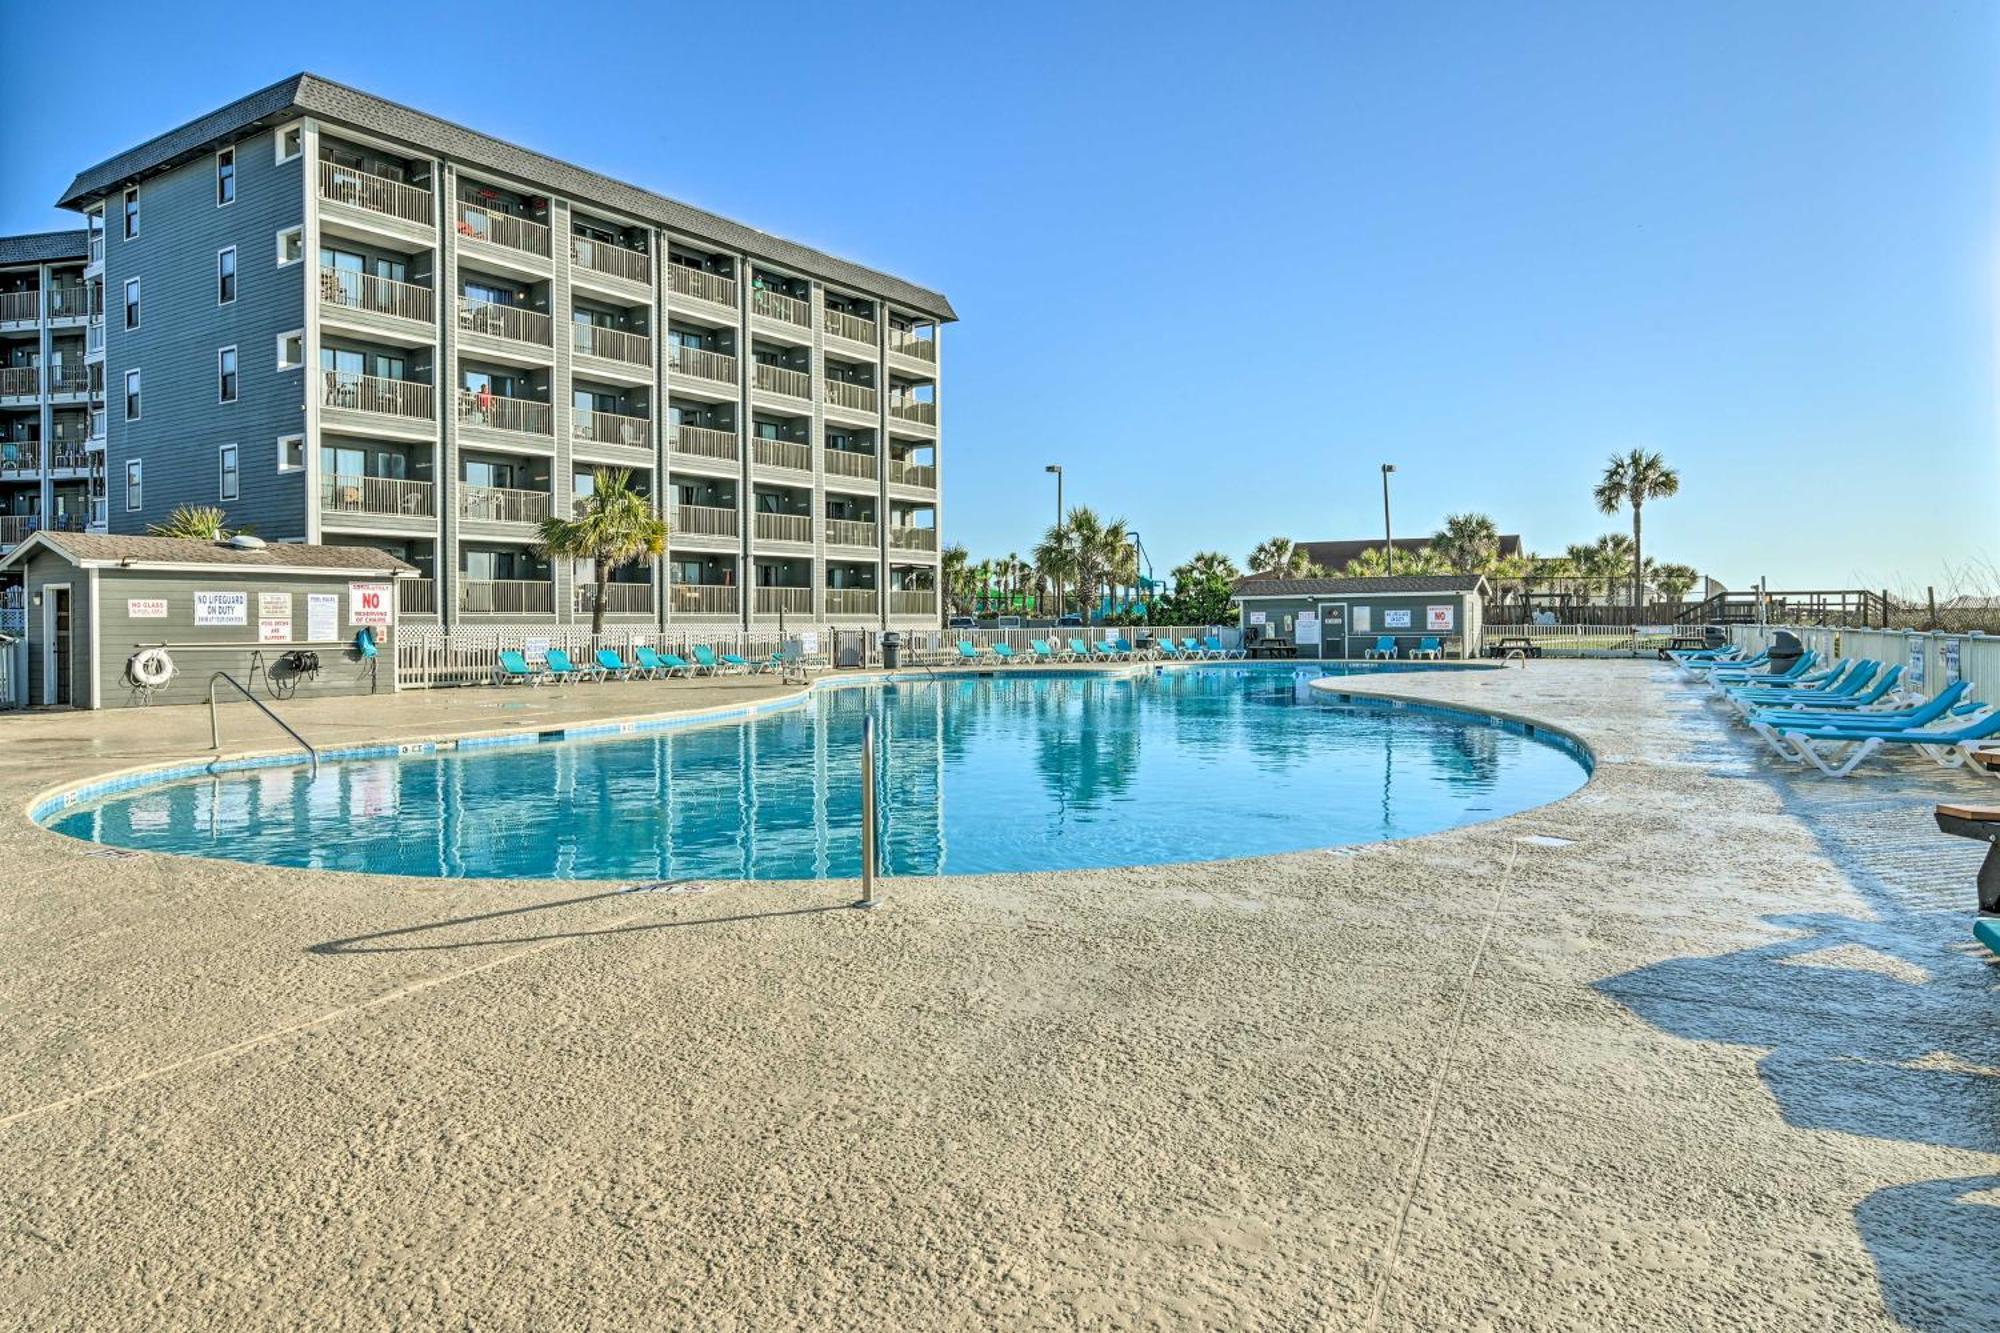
<point x="704" y="661"/>
<point x="1042" y="651"/>
<point x="736" y="662"/>
<point x="1849" y="681"/>
<point x="677" y="665"/>
<point x="654" y="666"/>
<point x="1821" y="702"/>
<point x="1385" y="647"/>
<point x="1105" y="650"/>
<point x="514" y="669"/>
<point x="1430" y="646"/>
<point x="1168" y="649"/>
<point x="1867" y="723"/>
<point x="968" y="651"/>
<point x="1004" y="652"/>
<point x="1077" y="651"/>
<point x="562" y="670"/>
<point x="1125" y="648"/>
<point x="1214" y="642"/>
<point x="611" y="666"/>
<point x="1719" y="681"/>
<point x="1949" y="744"/>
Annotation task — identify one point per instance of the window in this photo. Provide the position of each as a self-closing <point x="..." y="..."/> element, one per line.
<point x="135" y="484"/>
<point x="226" y="472"/>
<point x="131" y="212"/>
<point x="131" y="303"/>
<point x="291" y="142"/>
<point x="131" y="395"/>
<point x="225" y="374"/>
<point x="291" y="452"/>
<point x="292" y="349"/>
<point x="225" y="177"/>
<point x="225" y="276"/>
<point x="291" y="245"/>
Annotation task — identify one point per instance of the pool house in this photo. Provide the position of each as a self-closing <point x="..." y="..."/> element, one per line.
<point x="1340" y="618"/>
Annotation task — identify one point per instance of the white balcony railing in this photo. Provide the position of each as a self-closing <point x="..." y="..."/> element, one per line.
<point x="913" y="601"/>
<point x="615" y="261"/>
<point x="620" y="599"/>
<point x="910" y="409"/>
<point x="69" y="377"/>
<point x="905" y="538"/>
<point x="780" y="379"/>
<point x="849" y="532"/>
<point x="70" y="300"/>
<point x="704" y="521"/>
<point x="785" y="527"/>
<point x="776" y="305"/>
<point x="702" y="599"/>
<point x="613" y="428"/>
<point x="701" y="285"/>
<point x="612" y="344"/>
<point x="510" y="323"/>
<point x="849" y="463"/>
<point x="522" y="416"/>
<point x="377" y="296"/>
<point x="850" y="601"/>
<point x="374" y="194"/>
<point x="851" y="327"/>
<point x="378" y="396"/>
<point x="506" y="597"/>
<point x="416" y="597"/>
<point x="14" y="528"/>
<point x="791" y="601"/>
<point x="921" y="475"/>
<point x="854" y="397"/>
<point x="16" y="380"/>
<point x="704" y="365"/>
<point x="375" y="495"/>
<point x="701" y="442"/>
<point x="479" y="223"/>
<point x="20" y="307"/>
<point x="904" y="343"/>
<point x="491" y="504"/>
<point x="782" y="453"/>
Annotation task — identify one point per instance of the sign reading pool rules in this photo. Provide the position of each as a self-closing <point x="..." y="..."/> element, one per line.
<point x="368" y="604"/>
<point x="274" y="617"/>
<point x="146" y="608"/>
<point x="222" y="608"/>
<point x="322" y="617"/>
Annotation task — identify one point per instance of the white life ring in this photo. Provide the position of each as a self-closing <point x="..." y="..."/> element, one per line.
<point x="151" y="668"/>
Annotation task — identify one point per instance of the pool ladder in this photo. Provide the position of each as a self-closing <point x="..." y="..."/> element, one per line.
<point x="868" y="898"/>
<point x="215" y="717"/>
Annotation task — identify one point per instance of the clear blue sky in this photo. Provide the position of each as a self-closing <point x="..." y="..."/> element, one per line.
<point x="1221" y="262"/>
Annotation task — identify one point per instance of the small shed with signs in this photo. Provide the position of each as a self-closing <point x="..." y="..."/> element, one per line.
<point x="1339" y="618"/>
<point x="115" y="621"/>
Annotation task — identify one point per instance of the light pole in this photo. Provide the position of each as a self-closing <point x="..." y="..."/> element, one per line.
<point x="1057" y="469"/>
<point x="1388" y="539"/>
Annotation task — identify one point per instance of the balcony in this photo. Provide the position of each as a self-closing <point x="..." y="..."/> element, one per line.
<point x="850" y="601"/>
<point x="74" y="462"/>
<point x="853" y="397"/>
<point x="509" y="323"/>
<point x="913" y="602"/>
<point x="613" y="428"/>
<point x="849" y="532"/>
<point x="490" y="504"/>
<point x="517" y="416"/>
<point x="20" y="381"/>
<point x="779" y="379"/>
<point x="612" y="345"/>
<point x="785" y="527"/>
<point x="69" y="377"/>
<point x="416" y="597"/>
<point x="782" y="453"/>
<point x="701" y="442"/>
<point x="20" y="458"/>
<point x="903" y="538"/>
<point x="702" y="599"/>
<point x="695" y="363"/>
<point x="20" y="307"/>
<point x="365" y="293"/>
<point x="700" y="285"/>
<point x="477" y="223"/>
<point x="791" y="601"/>
<point x="69" y="301"/>
<point x="376" y="495"/>
<point x="405" y="400"/>
<point x="374" y="194"/>
<point x="904" y="343"/>
<point x="613" y="261"/>
<point x="849" y="463"/>
<point x="507" y="597"/>
<point x="14" y="528"/>
<point x="784" y="309"/>
<point x="620" y="599"/>
<point x="93" y="336"/>
<point x="923" y="476"/>
<point x="704" y="521"/>
<point x="909" y="409"/>
<point x="851" y="327"/>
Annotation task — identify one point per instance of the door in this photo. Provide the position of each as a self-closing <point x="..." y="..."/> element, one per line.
<point x="1332" y="630"/>
<point x="56" y="645"/>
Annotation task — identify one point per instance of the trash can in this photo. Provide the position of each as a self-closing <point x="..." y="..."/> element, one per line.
<point x="1785" y="650"/>
<point x="892" y="650"/>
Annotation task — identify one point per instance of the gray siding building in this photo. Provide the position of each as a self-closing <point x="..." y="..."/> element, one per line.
<point x="347" y="322"/>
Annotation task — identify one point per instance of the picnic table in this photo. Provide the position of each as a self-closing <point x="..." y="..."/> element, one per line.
<point x="1684" y="643"/>
<point x="1513" y="643"/>
<point x="1274" y="648"/>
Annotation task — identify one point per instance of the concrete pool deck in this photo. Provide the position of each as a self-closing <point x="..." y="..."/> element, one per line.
<point x="1702" y="1046"/>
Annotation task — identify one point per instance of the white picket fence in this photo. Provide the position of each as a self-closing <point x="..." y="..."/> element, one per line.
<point x="430" y="656"/>
<point x="1930" y="661"/>
<point x="1578" y="640"/>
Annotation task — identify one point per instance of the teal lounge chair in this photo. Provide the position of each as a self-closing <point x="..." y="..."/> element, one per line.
<point x="1077" y="652"/>
<point x="1004" y="652"/>
<point x="735" y="662"/>
<point x="1773" y="728"/>
<point x="562" y="670"/>
<point x="1041" y="650"/>
<point x="1194" y="649"/>
<point x="1104" y="649"/>
<point x="514" y="669"/>
<point x="704" y="661"/>
<point x="1125" y="648"/>
<point x="1168" y="649"/>
<point x="1430" y="647"/>
<point x="968" y="652"/>
<point x="1385" y="647"/>
<point x="1949" y="744"/>
<point x="611" y="666"/>
<point x="677" y="665"/>
<point x="1214" y="642"/>
<point x="654" y="666"/>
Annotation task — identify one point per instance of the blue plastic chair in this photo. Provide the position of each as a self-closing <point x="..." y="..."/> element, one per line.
<point x="514" y="669"/>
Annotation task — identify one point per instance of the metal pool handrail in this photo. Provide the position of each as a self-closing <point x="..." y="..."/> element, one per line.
<point x="215" y="718"/>
<point x="867" y="811"/>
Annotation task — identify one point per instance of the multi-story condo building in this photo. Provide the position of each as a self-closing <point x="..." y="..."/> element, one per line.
<point x="51" y="387"/>
<point x="345" y="321"/>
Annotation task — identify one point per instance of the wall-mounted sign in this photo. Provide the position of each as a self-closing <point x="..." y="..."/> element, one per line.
<point x="1307" y="632"/>
<point x="322" y="617"/>
<point x="221" y="608"/>
<point x="1438" y="618"/>
<point x="1915" y="675"/>
<point x="1257" y="617"/>
<point x="369" y="603"/>
<point x="146" y="608"/>
<point x="1949" y="648"/>
<point x="1361" y="619"/>
<point x="1396" y="618"/>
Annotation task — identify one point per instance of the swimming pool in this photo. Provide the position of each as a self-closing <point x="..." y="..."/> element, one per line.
<point x="977" y="774"/>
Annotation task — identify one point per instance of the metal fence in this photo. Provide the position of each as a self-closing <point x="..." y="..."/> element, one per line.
<point x="1930" y="660"/>
<point x="1580" y="640"/>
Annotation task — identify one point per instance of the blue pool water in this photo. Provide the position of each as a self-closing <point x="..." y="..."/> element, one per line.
<point x="977" y="774"/>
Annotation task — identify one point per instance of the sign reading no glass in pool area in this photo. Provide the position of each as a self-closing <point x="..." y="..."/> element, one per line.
<point x="221" y="608"/>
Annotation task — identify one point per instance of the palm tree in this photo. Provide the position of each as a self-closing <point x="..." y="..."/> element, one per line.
<point x="195" y="523"/>
<point x="1468" y="543"/>
<point x="613" y="526"/>
<point x="956" y="575"/>
<point x="1635" y="479"/>
<point x="1203" y="565"/>
<point x="1674" y="581"/>
<point x="1102" y="552"/>
<point x="1054" y="559"/>
<point x="1281" y="558"/>
<point x="1374" y="563"/>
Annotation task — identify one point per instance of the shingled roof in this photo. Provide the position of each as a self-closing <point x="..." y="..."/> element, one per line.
<point x="312" y="95"/>
<point x="90" y="548"/>
<point x="1258" y="586"/>
<point x="45" y="247"/>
